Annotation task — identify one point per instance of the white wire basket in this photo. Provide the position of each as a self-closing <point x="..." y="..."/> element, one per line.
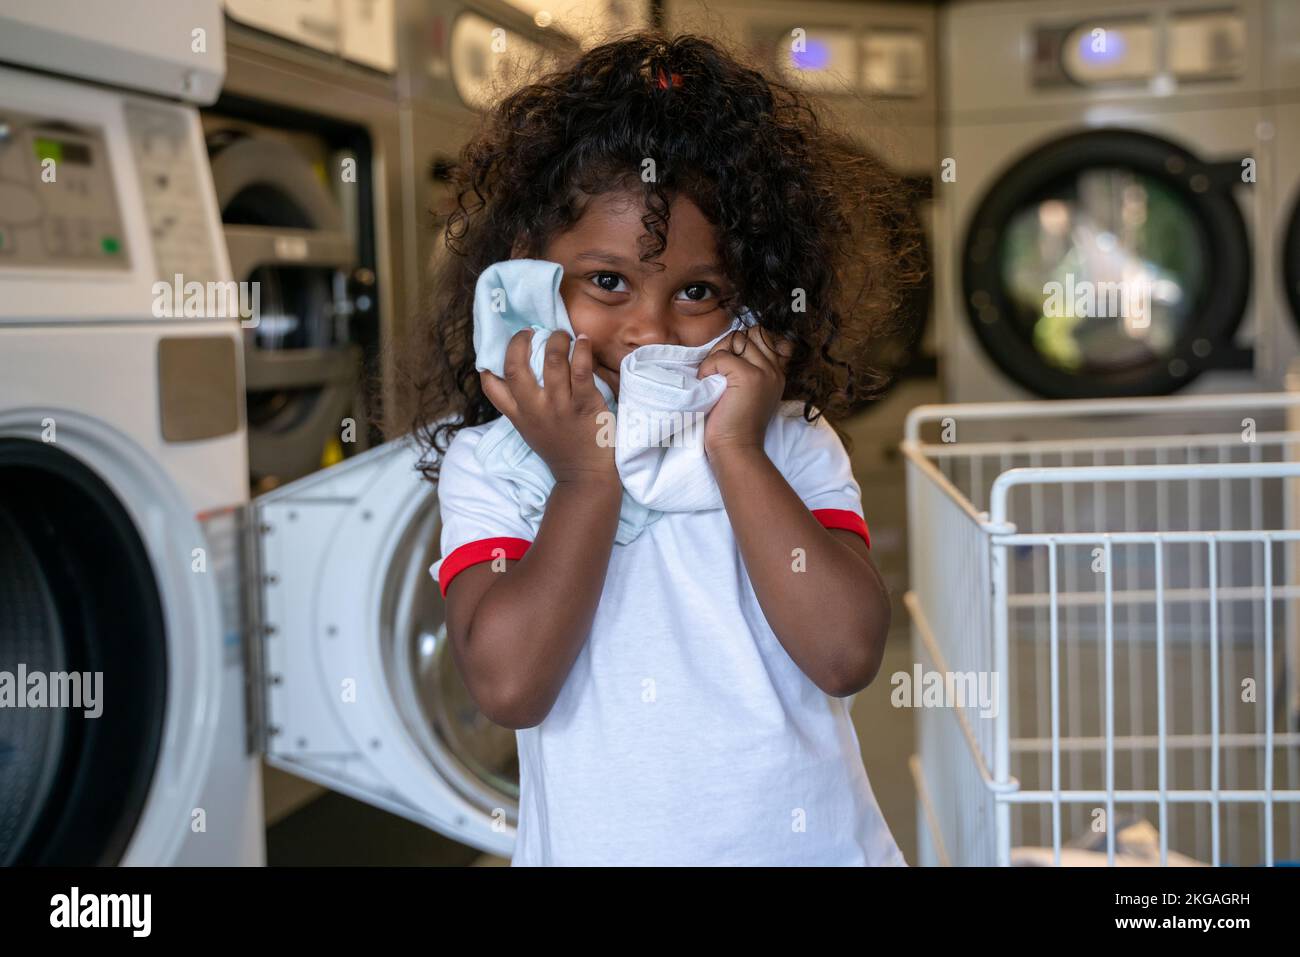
<point x="1105" y="626"/>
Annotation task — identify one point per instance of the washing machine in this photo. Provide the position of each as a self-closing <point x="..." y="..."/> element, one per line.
<point x="1103" y="230"/>
<point x="122" y="453"/>
<point x="872" y="68"/>
<point x="304" y="146"/>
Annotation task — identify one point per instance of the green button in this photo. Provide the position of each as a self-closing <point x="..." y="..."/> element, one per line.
<point x="110" y="245"/>
<point x="49" y="150"/>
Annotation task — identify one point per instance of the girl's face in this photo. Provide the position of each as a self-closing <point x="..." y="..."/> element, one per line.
<point x="621" y="302"/>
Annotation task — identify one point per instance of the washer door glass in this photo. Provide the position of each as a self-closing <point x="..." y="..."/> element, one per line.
<point x="1103" y="272"/>
<point x="298" y="312"/>
<point x="83" y="649"/>
<point x="476" y="756"/>
<point x="1108" y="263"/>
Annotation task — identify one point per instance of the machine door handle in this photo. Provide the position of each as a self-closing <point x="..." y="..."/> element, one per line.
<point x="253" y="246"/>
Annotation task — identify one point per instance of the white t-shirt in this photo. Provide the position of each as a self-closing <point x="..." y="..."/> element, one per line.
<point x="684" y="734"/>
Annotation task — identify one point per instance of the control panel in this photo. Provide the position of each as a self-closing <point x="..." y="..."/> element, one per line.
<point x="58" y="204"/>
<point x="166" y="162"/>
<point x="103" y="196"/>
<point x="1187" y="46"/>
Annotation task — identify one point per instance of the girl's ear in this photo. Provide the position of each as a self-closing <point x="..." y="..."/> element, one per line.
<point x="519" y="250"/>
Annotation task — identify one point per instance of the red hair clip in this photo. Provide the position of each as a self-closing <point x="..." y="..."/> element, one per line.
<point x="664" y="79"/>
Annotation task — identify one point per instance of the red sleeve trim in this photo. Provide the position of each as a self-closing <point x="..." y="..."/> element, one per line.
<point x="845" y="519"/>
<point x="474" y="553"/>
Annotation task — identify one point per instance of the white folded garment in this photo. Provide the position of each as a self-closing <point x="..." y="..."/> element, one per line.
<point x="659" y="415"/>
<point x="1137" y="844"/>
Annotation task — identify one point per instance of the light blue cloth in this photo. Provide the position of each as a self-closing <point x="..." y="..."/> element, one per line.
<point x="659" y="446"/>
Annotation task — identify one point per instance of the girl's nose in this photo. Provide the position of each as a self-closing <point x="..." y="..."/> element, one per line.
<point x="648" y="326"/>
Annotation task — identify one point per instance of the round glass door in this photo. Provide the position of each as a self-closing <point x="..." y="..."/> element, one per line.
<point x="83" y="641"/>
<point x="1106" y="264"/>
<point x="470" y="752"/>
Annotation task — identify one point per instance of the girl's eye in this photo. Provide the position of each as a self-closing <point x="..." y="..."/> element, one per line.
<point x="698" y="291"/>
<point x="609" y="281"/>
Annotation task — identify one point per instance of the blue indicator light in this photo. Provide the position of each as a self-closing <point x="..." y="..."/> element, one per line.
<point x="815" y="56"/>
<point x="1106" y="47"/>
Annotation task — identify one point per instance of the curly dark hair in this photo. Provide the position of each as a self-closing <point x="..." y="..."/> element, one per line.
<point x="797" y="206"/>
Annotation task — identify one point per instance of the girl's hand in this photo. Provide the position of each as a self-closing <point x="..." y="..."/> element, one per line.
<point x="559" y="419"/>
<point x="755" y="384"/>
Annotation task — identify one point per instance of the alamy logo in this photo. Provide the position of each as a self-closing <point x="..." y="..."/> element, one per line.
<point x="211" y="300"/>
<point x="946" y="689"/>
<point x="1129" y="300"/>
<point x="638" y="429"/>
<point x="54" y="689"/>
<point x="103" y="910"/>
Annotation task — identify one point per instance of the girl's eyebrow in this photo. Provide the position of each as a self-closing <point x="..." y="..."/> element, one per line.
<point x="611" y="259"/>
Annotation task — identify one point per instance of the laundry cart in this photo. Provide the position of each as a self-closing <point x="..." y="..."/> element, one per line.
<point x="1104" y="619"/>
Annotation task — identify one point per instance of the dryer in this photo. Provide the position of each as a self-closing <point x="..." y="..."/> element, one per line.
<point x="1111" y="177"/>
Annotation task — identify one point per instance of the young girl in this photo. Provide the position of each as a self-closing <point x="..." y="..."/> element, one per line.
<point x="681" y="699"/>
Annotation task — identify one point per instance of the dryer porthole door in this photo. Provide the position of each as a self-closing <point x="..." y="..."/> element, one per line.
<point x="1107" y="263"/>
<point x="77" y="596"/>
<point x="361" y="694"/>
<point x="94" y="595"/>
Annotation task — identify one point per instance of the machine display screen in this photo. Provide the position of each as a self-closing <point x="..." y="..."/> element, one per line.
<point x="62" y="151"/>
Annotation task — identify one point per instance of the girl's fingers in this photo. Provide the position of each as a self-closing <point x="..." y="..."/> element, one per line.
<point x="773" y="348"/>
<point x="720" y="360"/>
<point x="781" y="346"/>
<point x="519" y="377"/>
<point x="732" y="344"/>
<point x="747" y="347"/>
<point x="581" y="366"/>
<point x="555" y="366"/>
<point x="498" y="394"/>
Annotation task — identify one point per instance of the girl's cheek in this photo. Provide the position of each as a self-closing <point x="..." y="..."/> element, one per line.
<point x="585" y="319"/>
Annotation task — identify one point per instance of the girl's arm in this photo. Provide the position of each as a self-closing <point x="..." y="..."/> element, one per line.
<point x="826" y="603"/>
<point x="516" y="632"/>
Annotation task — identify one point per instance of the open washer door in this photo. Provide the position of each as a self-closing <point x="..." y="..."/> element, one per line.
<point x="360" y="691"/>
<point x="1149" y="231"/>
